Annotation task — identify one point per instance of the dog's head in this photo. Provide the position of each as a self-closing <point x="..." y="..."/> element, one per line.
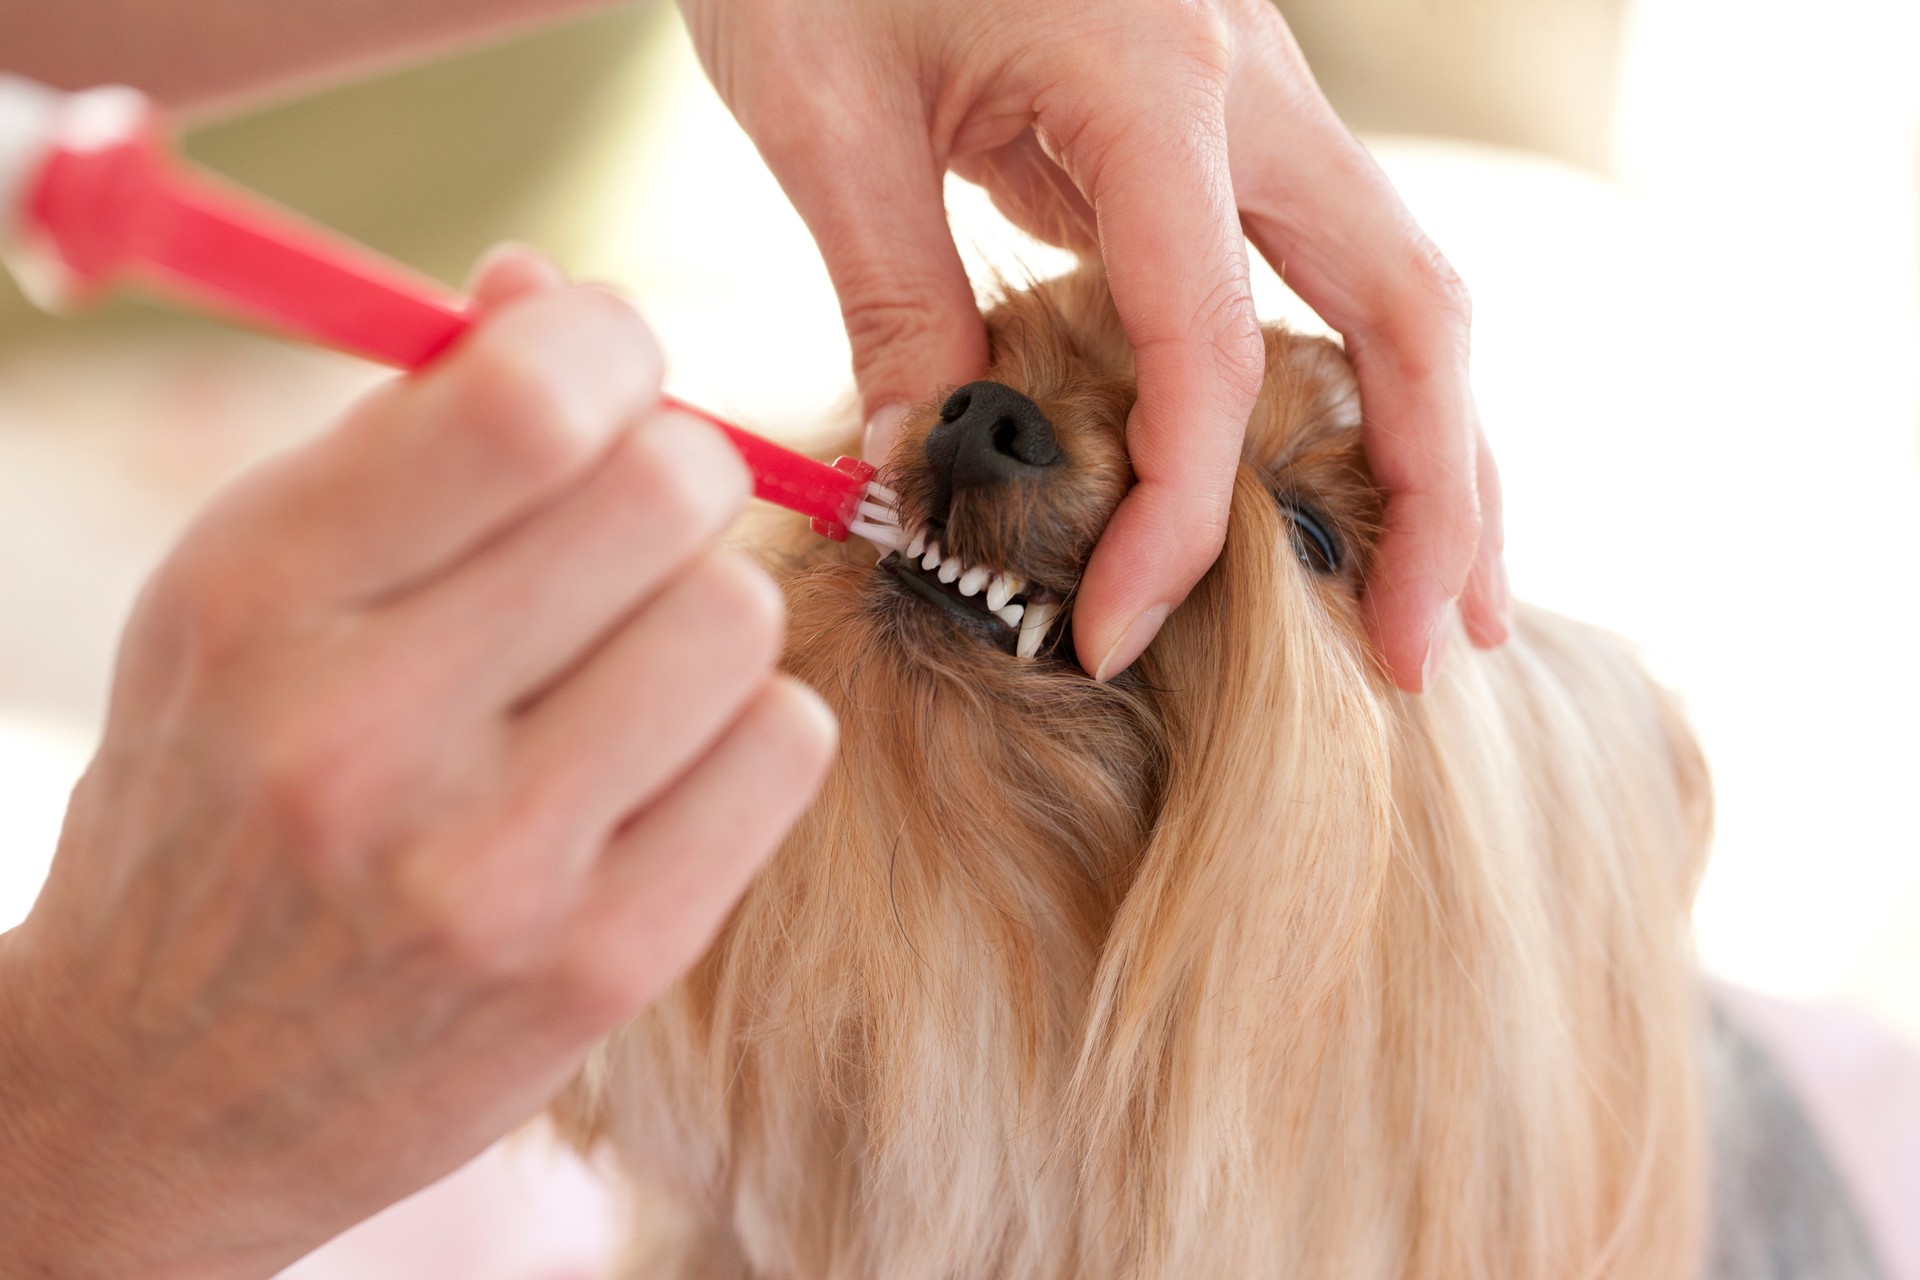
<point x="1241" y="963"/>
<point x="1006" y="483"/>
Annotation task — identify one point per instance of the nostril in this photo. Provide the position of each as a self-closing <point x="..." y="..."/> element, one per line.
<point x="1006" y="438"/>
<point x="990" y="434"/>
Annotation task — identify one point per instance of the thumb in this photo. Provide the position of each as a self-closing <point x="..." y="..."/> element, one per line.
<point x="874" y="200"/>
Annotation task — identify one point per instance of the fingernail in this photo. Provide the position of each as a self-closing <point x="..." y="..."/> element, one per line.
<point x="1437" y="646"/>
<point x="539" y="266"/>
<point x="826" y="724"/>
<point x="882" y="428"/>
<point x="1132" y="642"/>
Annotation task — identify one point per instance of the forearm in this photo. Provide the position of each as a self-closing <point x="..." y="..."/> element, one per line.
<point x="199" y="54"/>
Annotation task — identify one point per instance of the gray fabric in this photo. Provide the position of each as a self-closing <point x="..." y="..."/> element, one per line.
<point x="1780" y="1212"/>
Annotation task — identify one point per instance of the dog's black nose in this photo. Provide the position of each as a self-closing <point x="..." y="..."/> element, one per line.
<point x="990" y="434"/>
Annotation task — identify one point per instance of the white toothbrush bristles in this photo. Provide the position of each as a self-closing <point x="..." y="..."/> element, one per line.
<point x="877" y="521"/>
<point x="890" y="537"/>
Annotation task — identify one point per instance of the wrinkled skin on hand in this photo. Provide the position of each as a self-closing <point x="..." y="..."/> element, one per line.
<point x="425" y="768"/>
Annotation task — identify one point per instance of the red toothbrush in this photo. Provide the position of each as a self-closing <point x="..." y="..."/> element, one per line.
<point x="90" y="197"/>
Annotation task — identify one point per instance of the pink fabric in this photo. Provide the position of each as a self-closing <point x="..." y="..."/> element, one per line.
<point x="528" y="1210"/>
<point x="1861" y="1087"/>
<point x="525" y="1209"/>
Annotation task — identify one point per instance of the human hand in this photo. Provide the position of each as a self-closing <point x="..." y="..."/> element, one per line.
<point x="439" y="746"/>
<point x="1153" y="132"/>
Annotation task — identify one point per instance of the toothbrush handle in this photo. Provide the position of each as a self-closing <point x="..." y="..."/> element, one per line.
<point x="125" y="209"/>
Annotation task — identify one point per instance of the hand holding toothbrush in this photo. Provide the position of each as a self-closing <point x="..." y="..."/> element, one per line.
<point x="343" y="834"/>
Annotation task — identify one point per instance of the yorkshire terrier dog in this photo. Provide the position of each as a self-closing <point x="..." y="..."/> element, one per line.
<point x="1243" y="964"/>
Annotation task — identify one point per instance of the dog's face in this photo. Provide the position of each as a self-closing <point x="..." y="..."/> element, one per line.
<point x="1242" y="963"/>
<point x="1007" y="483"/>
<point x="965" y="634"/>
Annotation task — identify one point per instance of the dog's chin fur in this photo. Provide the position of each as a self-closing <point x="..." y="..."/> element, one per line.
<point x="1243" y="964"/>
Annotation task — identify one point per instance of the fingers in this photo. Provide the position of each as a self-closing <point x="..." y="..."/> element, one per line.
<point x="869" y="187"/>
<point x="1486" y="608"/>
<point x="669" y="879"/>
<point x="509" y="620"/>
<point x="1178" y="272"/>
<point x="651" y="700"/>
<point x="433" y="466"/>
<point x="1321" y="211"/>
<point x="509" y="270"/>
<point x="612" y="737"/>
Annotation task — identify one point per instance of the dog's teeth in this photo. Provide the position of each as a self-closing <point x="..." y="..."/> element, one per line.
<point x="932" y="559"/>
<point x="918" y="544"/>
<point x="1033" y="628"/>
<point x="973" y="579"/>
<point x="1009" y="614"/>
<point x="949" y="569"/>
<point x="1002" y="589"/>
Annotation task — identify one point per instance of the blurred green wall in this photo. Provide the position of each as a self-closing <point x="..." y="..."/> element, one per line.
<point x="434" y="163"/>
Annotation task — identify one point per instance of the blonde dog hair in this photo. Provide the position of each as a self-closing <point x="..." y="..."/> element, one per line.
<point x="1245" y="964"/>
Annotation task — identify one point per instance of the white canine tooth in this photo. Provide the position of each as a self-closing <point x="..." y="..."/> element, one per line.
<point x="1002" y="589"/>
<point x="973" y="579"/>
<point x="949" y="569"/>
<point x="1009" y="614"/>
<point x="919" y="543"/>
<point x="932" y="559"/>
<point x="1033" y="628"/>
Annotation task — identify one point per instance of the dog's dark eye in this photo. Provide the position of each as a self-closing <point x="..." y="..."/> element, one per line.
<point x="1312" y="541"/>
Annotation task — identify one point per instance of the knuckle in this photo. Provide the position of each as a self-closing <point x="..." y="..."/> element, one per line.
<point x="511" y="409"/>
<point x="1224" y="332"/>
<point x="1211" y="511"/>
<point x="739" y="600"/>
<point x="881" y="318"/>
<point x="1440" y="287"/>
<point x="806" y="729"/>
<point x="465" y="895"/>
<point x="542" y="390"/>
<point x="906" y="316"/>
<point x="204" y="604"/>
<point x="599" y="989"/>
<point x="320" y="785"/>
<point x="1240" y="349"/>
<point x="674" y="497"/>
<point x="1201" y="31"/>
<point x="462" y="925"/>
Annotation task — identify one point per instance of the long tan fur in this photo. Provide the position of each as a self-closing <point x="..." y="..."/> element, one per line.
<point x="1243" y="965"/>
